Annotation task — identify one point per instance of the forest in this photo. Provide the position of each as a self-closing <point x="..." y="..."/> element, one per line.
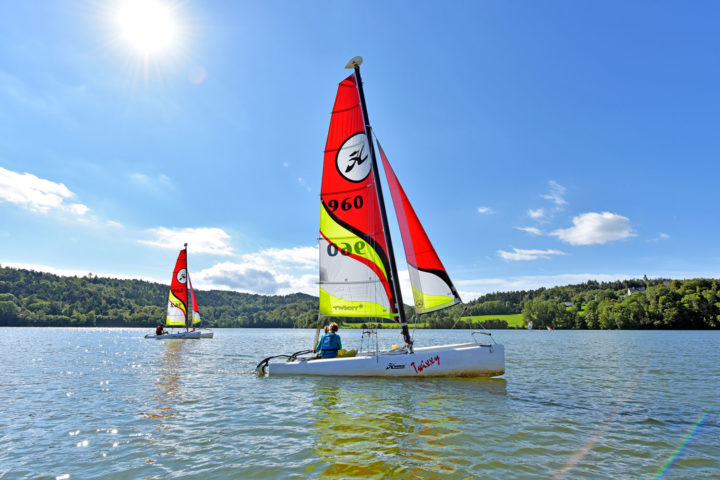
<point x="30" y="298"/>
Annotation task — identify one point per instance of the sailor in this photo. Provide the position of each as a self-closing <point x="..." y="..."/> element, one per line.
<point x="160" y="330"/>
<point x="317" y="347"/>
<point x="330" y="343"/>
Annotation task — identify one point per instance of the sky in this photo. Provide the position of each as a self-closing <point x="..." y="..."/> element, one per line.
<point x="541" y="143"/>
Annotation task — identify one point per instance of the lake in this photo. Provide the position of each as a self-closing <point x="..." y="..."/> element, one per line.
<point x="107" y="403"/>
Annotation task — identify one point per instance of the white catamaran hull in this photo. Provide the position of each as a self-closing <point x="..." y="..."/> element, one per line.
<point x="460" y="360"/>
<point x="181" y="335"/>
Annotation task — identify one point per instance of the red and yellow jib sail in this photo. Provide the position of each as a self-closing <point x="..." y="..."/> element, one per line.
<point x="177" y="302"/>
<point x="354" y="265"/>
<point x="431" y="286"/>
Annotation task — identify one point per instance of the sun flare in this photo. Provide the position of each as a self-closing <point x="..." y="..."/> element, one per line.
<point x="147" y="25"/>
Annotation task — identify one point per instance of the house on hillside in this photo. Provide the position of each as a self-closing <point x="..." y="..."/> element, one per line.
<point x="632" y="290"/>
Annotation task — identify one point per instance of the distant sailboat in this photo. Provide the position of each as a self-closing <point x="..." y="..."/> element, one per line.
<point x="358" y="274"/>
<point x="530" y="325"/>
<point x="182" y="310"/>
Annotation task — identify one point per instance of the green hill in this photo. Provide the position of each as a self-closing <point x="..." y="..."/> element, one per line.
<point x="29" y="298"/>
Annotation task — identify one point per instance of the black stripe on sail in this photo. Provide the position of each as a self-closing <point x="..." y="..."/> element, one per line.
<point x="443" y="275"/>
<point x="381" y="253"/>
<point x="178" y="299"/>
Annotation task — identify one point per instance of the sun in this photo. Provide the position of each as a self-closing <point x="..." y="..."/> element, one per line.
<point x="147" y="25"/>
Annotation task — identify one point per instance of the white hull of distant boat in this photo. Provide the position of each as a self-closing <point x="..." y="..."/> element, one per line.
<point x="182" y="335"/>
<point x="459" y="360"/>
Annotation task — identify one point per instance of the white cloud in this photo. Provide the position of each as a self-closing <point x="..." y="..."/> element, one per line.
<point x="596" y="229"/>
<point x="533" y="230"/>
<point x="283" y="258"/>
<point x="78" y="209"/>
<point x="238" y="277"/>
<point x="37" y="194"/>
<point x="485" y="210"/>
<point x="521" y="254"/>
<point x="536" y="214"/>
<point x="201" y="240"/>
<point x="556" y="194"/>
<point x="147" y="181"/>
<point x="661" y="236"/>
<point x="274" y="271"/>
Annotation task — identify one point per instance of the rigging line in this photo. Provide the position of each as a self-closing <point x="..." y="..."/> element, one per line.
<point x="460" y="318"/>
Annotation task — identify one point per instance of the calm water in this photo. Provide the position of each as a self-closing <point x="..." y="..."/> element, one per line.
<point x="106" y="403"/>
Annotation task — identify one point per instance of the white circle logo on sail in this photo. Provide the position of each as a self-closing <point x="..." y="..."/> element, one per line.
<point x="181" y="275"/>
<point x="353" y="158"/>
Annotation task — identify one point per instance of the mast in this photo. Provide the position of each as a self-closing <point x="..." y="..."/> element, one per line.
<point x="187" y="293"/>
<point x="354" y="63"/>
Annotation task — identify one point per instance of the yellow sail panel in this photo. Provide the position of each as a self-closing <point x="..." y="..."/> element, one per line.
<point x="331" y="305"/>
<point x="345" y="242"/>
<point x="349" y="287"/>
<point x="436" y="293"/>
<point x="425" y="303"/>
<point x="175" y="312"/>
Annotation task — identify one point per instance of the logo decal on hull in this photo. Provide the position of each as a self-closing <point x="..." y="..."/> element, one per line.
<point x="395" y="366"/>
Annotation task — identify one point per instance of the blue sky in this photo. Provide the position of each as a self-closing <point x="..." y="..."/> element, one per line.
<point x="541" y="143"/>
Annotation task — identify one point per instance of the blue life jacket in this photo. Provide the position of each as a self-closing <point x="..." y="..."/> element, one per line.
<point x="329" y="345"/>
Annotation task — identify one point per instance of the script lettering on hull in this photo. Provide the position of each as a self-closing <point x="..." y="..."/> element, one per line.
<point x="426" y="363"/>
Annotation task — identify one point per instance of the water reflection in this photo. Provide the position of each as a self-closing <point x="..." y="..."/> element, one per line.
<point x="375" y="428"/>
<point x="168" y="381"/>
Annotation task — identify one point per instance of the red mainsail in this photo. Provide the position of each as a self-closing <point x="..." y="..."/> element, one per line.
<point x="354" y="265"/>
<point x="177" y="300"/>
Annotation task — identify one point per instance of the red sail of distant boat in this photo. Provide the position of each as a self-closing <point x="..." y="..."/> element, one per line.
<point x="354" y="262"/>
<point x="194" y="309"/>
<point x="431" y="285"/>
<point x="178" y="298"/>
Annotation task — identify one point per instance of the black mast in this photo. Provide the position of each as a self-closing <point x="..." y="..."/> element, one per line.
<point x="188" y="308"/>
<point x="395" y="281"/>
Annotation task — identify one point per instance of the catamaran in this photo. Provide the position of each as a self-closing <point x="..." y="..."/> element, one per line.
<point x="358" y="273"/>
<point x="182" y="310"/>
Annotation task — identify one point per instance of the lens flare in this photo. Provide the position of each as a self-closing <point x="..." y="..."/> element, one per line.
<point x="680" y="448"/>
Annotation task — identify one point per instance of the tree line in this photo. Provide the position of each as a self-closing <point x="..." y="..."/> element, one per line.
<point x="30" y="298"/>
<point x="627" y="304"/>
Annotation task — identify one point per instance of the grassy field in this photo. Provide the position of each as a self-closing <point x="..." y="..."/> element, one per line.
<point x="514" y="320"/>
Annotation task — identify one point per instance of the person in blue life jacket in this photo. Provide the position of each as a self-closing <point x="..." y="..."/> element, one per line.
<point x="330" y="343"/>
<point x="317" y="347"/>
